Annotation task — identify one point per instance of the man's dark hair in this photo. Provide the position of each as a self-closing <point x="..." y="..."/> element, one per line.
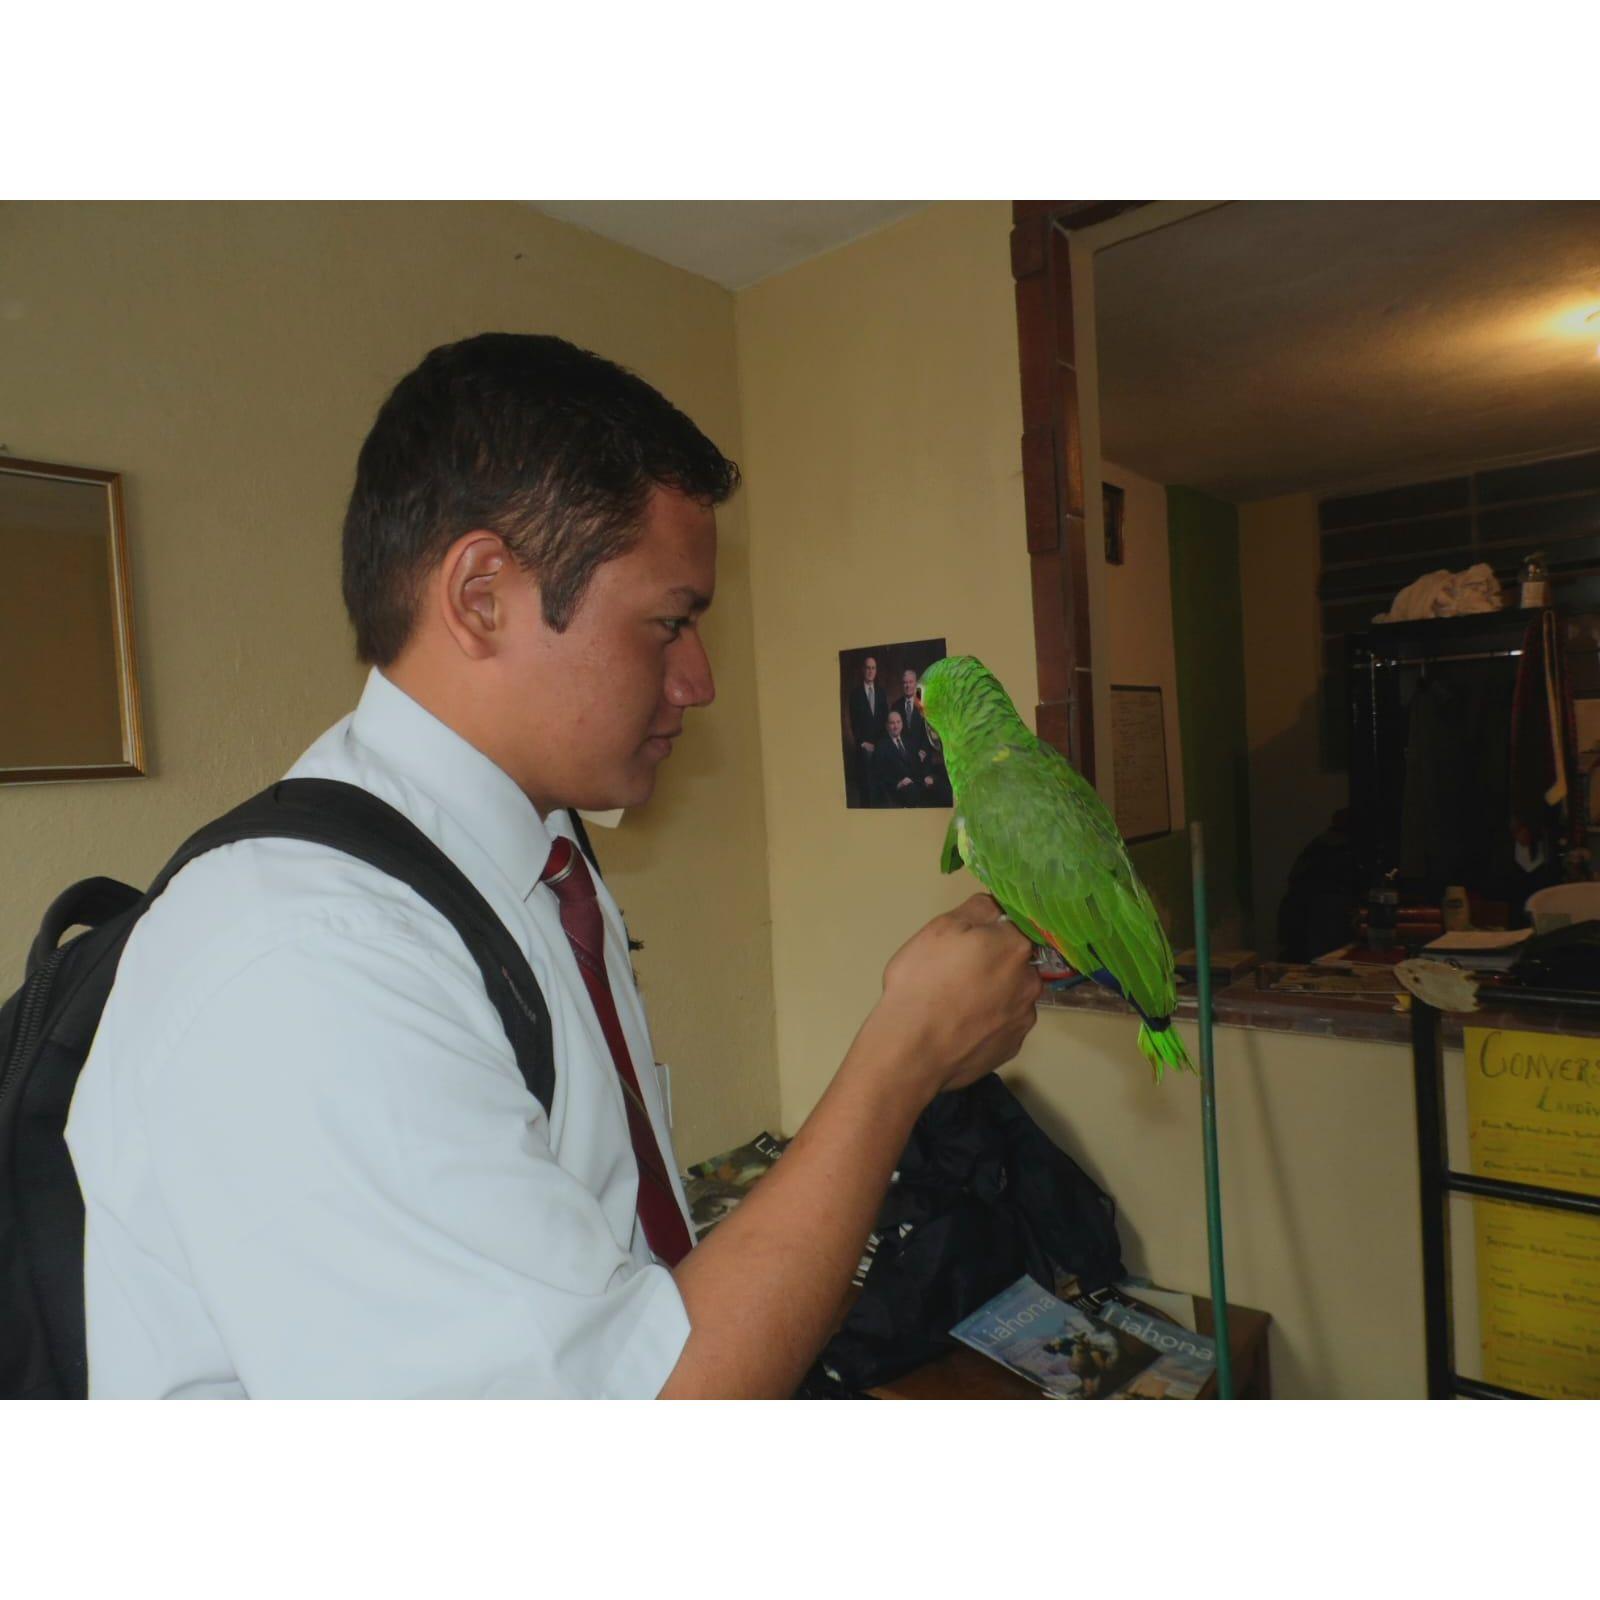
<point x="552" y="447"/>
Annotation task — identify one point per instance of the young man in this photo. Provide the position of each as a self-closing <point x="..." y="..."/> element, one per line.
<point x="309" y="1162"/>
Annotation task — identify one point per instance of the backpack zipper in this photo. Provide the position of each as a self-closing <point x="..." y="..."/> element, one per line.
<point x="31" y="1021"/>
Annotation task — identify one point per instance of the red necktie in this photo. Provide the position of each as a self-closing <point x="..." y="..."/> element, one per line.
<point x="567" y="873"/>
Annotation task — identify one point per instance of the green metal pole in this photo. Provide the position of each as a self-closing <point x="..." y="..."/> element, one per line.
<point x="1208" y="1117"/>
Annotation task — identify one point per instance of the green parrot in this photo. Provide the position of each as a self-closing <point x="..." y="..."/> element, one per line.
<point x="1040" y="840"/>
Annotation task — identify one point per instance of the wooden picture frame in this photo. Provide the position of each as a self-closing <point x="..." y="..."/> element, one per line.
<point x="1052" y="466"/>
<point x="69" y="681"/>
<point x="1113" y="507"/>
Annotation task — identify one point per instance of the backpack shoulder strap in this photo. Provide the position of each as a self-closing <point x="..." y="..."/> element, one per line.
<point x="346" y="817"/>
<point x="581" y="834"/>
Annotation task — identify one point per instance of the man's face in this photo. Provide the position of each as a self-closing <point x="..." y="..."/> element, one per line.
<point x="908" y="684"/>
<point x="895" y="724"/>
<point x="869" y="670"/>
<point x="603" y="701"/>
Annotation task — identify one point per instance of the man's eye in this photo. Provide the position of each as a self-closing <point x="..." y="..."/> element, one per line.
<point x="674" y="625"/>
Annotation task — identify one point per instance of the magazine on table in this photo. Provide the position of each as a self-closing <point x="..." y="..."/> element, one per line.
<point x="1185" y="1359"/>
<point x="1063" y="1350"/>
<point x="713" y="1188"/>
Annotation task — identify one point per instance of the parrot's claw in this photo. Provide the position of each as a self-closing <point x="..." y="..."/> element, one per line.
<point x="1053" y="967"/>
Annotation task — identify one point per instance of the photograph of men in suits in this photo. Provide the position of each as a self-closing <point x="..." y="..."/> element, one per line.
<point x="869" y="706"/>
<point x="876" y="681"/>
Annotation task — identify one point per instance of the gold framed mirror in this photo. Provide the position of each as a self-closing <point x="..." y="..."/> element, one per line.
<point x="69" y="686"/>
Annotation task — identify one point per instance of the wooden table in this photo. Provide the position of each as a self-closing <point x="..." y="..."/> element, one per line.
<point x="965" y="1375"/>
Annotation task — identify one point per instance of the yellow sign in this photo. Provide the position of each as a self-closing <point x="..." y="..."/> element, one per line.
<point x="1533" y="1108"/>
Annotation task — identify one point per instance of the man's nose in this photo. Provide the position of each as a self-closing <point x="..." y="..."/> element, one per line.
<point x="689" y="680"/>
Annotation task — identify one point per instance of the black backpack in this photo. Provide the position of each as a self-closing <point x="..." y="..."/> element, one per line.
<point x="48" y="1025"/>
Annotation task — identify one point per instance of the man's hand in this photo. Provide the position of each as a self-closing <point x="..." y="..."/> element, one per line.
<point x="867" y="747"/>
<point x="965" y="991"/>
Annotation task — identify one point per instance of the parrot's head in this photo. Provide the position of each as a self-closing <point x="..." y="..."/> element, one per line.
<point x="960" y="694"/>
<point x="926" y="697"/>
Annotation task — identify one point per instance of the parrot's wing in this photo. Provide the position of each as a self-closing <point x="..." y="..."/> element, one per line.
<point x="1049" y="850"/>
<point x="950" y="855"/>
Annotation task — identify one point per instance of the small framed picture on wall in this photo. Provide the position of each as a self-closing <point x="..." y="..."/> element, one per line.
<point x="892" y="759"/>
<point x="1139" y="761"/>
<point x="1112" y="502"/>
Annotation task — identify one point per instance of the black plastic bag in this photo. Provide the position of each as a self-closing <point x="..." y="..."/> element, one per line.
<point x="980" y="1198"/>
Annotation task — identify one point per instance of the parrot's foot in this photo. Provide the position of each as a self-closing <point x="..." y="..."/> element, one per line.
<point x="1053" y="966"/>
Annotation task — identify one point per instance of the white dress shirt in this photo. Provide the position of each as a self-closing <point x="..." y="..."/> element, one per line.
<point x="309" y="1162"/>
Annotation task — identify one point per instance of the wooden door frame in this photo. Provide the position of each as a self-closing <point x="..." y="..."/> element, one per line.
<point x="1052" y="466"/>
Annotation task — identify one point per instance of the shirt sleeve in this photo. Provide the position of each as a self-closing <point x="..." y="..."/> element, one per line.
<point x="365" y="1193"/>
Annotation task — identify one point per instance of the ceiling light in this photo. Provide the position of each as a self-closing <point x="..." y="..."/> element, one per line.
<point x="1594" y="316"/>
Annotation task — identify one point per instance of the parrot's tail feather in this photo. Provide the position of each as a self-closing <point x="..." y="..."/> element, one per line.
<point x="1162" y="1048"/>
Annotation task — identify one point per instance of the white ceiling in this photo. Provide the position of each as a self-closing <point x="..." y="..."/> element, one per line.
<point x="733" y="242"/>
<point x="1267" y="347"/>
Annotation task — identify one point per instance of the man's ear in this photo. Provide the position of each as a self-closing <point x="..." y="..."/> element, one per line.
<point x="473" y="591"/>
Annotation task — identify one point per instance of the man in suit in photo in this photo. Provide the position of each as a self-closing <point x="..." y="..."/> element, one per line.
<point x="900" y="775"/>
<point x="869" y="706"/>
<point x="935" y="776"/>
<point x="906" y="705"/>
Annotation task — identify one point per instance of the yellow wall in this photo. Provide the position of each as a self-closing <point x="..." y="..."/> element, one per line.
<point x="881" y="427"/>
<point x="228" y="359"/>
<point x="1133" y="643"/>
<point x="1138" y="634"/>
<point x="1291" y="797"/>
<point x="881" y="420"/>
<point x="1318" y="1160"/>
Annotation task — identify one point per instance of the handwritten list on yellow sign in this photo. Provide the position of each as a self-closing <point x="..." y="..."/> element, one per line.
<point x="1533" y="1108"/>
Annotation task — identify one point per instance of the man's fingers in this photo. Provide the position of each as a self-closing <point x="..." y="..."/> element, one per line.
<point x="980" y="909"/>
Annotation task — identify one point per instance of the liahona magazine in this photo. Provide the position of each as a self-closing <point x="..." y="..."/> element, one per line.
<point x="1067" y="1353"/>
<point x="713" y="1188"/>
<point x="1184" y="1360"/>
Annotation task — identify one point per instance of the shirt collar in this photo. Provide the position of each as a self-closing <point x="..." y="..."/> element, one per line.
<point x="479" y="796"/>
